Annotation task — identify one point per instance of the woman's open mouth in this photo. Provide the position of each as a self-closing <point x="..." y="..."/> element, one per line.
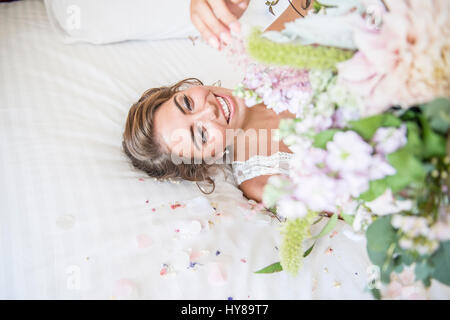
<point x="227" y="107"/>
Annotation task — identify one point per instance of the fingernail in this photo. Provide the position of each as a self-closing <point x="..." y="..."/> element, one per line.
<point x="242" y="5"/>
<point x="214" y="42"/>
<point x="235" y="27"/>
<point x="225" y="37"/>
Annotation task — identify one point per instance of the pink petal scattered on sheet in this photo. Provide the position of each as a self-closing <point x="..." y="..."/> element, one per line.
<point x="163" y="271"/>
<point x="195" y="255"/>
<point x="141" y="179"/>
<point x="153" y="209"/>
<point x="125" y="288"/>
<point x="143" y="241"/>
<point x="243" y="260"/>
<point x="199" y="256"/>
<point x="329" y="250"/>
<point x="176" y="205"/>
<point x="333" y="234"/>
<point x="216" y="275"/>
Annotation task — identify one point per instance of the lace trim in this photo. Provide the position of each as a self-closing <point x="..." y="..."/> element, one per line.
<point x="277" y="163"/>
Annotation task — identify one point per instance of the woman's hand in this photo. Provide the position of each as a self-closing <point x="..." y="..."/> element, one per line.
<point x="214" y="19"/>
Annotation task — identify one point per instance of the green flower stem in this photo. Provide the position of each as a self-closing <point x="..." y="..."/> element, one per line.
<point x="294" y="233"/>
<point x="295" y="55"/>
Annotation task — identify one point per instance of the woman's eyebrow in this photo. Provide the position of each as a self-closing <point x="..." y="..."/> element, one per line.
<point x="178" y="105"/>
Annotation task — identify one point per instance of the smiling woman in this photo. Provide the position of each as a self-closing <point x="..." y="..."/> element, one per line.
<point x="180" y="132"/>
<point x="145" y="149"/>
<point x="186" y="130"/>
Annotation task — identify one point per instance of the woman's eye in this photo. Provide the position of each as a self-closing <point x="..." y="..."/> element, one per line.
<point x="187" y="103"/>
<point x="204" y="136"/>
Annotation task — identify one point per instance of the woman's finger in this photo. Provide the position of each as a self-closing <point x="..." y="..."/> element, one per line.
<point x="243" y="4"/>
<point x="206" y="34"/>
<point x="223" y="13"/>
<point x="216" y="26"/>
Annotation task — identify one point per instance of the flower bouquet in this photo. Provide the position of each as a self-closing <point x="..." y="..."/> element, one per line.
<point x="369" y="83"/>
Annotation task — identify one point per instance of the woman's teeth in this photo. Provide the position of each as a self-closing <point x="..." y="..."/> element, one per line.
<point x="225" y="107"/>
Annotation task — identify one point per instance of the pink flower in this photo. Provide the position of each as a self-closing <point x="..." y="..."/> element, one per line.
<point x="406" y="62"/>
<point x="389" y="139"/>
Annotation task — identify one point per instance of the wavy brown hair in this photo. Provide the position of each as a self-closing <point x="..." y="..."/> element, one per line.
<point x="146" y="152"/>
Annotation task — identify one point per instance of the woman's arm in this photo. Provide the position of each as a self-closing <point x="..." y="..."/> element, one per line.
<point x="290" y="14"/>
<point x="253" y="188"/>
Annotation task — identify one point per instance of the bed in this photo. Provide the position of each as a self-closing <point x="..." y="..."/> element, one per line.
<point x="78" y="222"/>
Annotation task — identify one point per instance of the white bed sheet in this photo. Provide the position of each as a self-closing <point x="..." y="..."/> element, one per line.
<point x="77" y="222"/>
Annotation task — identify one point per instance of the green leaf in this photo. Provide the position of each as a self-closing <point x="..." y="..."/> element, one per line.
<point x="438" y="114"/>
<point x="380" y="235"/>
<point x="376" y="189"/>
<point x="376" y="293"/>
<point x="423" y="270"/>
<point x="321" y="139"/>
<point x="409" y="170"/>
<point x="381" y="238"/>
<point x="275" y="267"/>
<point x="348" y="218"/>
<point x="441" y="262"/>
<point x="367" y="127"/>
<point x="307" y="252"/>
<point x="434" y="144"/>
<point x="328" y="227"/>
<point x="404" y="257"/>
<point x="415" y="143"/>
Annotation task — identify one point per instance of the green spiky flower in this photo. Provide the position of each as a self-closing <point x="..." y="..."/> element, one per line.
<point x="295" y="55"/>
<point x="294" y="233"/>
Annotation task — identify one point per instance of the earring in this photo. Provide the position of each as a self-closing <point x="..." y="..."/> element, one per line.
<point x="218" y="83"/>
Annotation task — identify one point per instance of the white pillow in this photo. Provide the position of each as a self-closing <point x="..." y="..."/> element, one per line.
<point x="107" y="21"/>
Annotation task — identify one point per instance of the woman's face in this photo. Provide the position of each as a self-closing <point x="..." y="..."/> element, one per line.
<point x="195" y="122"/>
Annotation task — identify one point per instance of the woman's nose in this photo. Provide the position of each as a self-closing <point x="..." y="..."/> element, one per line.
<point x="207" y="113"/>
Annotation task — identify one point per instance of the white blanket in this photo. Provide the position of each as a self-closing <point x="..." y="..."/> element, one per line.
<point x="78" y="222"/>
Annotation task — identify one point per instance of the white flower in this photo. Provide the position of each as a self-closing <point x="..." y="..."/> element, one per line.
<point x="389" y="139"/>
<point x="348" y="152"/>
<point x="410" y="225"/>
<point x="290" y="208"/>
<point x="354" y="183"/>
<point x="325" y="105"/>
<point x="349" y="207"/>
<point x="362" y="220"/>
<point x="319" y="79"/>
<point x="342" y="116"/>
<point x="387" y="204"/>
<point x="380" y="168"/>
<point x="440" y="231"/>
<point x="317" y="192"/>
<point x="405" y="243"/>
